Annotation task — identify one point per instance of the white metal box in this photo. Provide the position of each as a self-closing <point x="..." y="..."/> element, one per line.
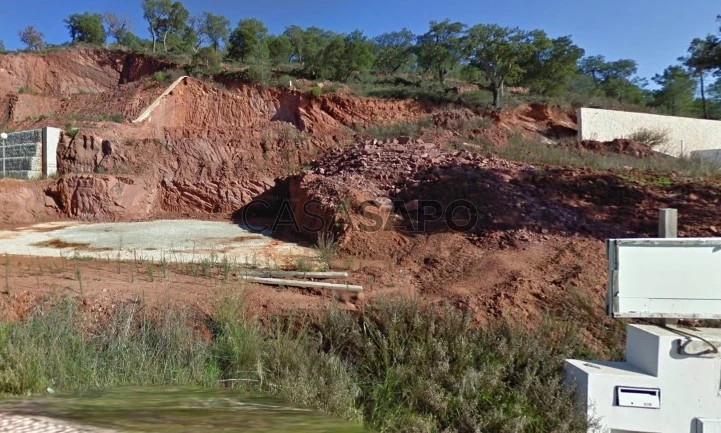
<point x="665" y="278"/>
<point x="647" y="398"/>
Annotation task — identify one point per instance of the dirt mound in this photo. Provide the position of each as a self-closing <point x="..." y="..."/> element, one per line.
<point x="552" y="121"/>
<point x="66" y="72"/>
<point x="453" y="119"/>
<point x="404" y="211"/>
<point x="536" y="243"/>
<point x="416" y="173"/>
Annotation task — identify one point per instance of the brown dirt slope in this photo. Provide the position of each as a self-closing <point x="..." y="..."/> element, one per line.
<point x="66" y="72"/>
<point x="537" y="244"/>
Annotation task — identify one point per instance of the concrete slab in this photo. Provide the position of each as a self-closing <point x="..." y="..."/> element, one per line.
<point x="179" y="241"/>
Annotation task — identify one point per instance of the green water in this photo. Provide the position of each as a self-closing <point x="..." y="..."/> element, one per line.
<point x="178" y="410"/>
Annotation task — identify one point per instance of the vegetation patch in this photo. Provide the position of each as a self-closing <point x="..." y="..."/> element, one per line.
<point x="397" y="366"/>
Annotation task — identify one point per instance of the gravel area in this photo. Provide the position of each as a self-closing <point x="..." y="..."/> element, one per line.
<point x="179" y="241"/>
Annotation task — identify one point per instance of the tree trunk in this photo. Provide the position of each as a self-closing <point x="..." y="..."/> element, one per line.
<point x="152" y="33"/>
<point x="165" y="44"/>
<point x="703" y="97"/>
<point x="441" y="76"/>
<point x="496" y="96"/>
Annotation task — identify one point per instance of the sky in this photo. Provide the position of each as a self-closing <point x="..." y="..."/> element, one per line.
<point x="652" y="32"/>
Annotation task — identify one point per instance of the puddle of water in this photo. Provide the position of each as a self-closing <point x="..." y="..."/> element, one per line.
<point x="170" y="240"/>
<point x="173" y="410"/>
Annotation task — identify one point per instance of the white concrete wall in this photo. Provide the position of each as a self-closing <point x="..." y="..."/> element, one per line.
<point x="687" y="137"/>
<point x="30" y="154"/>
<point x="51" y="138"/>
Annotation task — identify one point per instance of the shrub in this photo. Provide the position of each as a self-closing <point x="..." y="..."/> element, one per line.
<point x="650" y="137"/>
<point x="326" y="247"/>
<point x="206" y="61"/>
<point x="71" y="131"/>
<point x="316" y="92"/>
<point x="160" y="76"/>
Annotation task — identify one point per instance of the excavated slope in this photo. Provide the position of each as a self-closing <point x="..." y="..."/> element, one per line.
<point x="66" y="72"/>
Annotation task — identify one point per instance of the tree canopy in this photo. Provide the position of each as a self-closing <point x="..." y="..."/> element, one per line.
<point x="87" y="28"/>
<point x="488" y="55"/>
<point x="248" y="41"/>
<point x="32" y="38"/>
<point x="439" y="50"/>
<point x="394" y="50"/>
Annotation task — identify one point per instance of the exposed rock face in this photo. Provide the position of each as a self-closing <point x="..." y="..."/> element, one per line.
<point x="83" y="154"/>
<point x="23" y="202"/>
<point x="107" y="198"/>
<point x="67" y="72"/>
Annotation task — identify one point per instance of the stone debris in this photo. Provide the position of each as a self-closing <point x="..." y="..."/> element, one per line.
<point x="503" y="195"/>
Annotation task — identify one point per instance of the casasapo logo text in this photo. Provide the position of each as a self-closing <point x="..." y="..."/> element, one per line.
<point x="416" y="216"/>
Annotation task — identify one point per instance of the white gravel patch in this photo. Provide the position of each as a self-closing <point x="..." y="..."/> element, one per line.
<point x="179" y="241"/>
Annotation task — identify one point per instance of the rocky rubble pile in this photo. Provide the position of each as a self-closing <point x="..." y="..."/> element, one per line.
<point x="389" y="165"/>
<point x="499" y="193"/>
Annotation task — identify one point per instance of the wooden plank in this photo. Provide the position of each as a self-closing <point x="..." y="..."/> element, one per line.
<point x="295" y="274"/>
<point x="301" y="283"/>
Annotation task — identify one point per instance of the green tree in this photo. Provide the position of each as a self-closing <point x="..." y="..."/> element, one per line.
<point x="155" y="13"/>
<point x="394" y="50"/>
<point x="2" y="47"/>
<point x="118" y="27"/>
<point x="714" y="99"/>
<point x="702" y="58"/>
<point x="297" y="38"/>
<point x="175" y="23"/>
<point x="357" y="57"/>
<point x="499" y="52"/>
<point x="280" y="49"/>
<point x="594" y="67"/>
<point x="32" y="38"/>
<point x="551" y="65"/>
<point x="216" y="28"/>
<point x="439" y="49"/>
<point x="676" y="95"/>
<point x="87" y="28"/>
<point x="614" y="79"/>
<point x="248" y="41"/>
<point x="319" y="48"/>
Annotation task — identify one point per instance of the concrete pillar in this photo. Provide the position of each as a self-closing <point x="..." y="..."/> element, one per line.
<point x="668" y="223"/>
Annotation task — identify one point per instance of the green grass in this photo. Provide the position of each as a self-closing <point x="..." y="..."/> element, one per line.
<point x="395" y="130"/>
<point x="174" y="409"/>
<point x="398" y="365"/>
<point x="521" y="149"/>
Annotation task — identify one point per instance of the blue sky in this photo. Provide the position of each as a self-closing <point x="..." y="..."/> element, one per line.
<point x="653" y="32"/>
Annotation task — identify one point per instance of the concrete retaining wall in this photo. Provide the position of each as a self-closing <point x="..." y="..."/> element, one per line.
<point x="30" y="154"/>
<point x="687" y="137"/>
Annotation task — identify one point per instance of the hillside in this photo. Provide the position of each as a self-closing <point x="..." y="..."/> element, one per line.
<point x="543" y="203"/>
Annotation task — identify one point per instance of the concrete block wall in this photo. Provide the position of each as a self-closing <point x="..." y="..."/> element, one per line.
<point x="687" y="137"/>
<point x="30" y="154"/>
